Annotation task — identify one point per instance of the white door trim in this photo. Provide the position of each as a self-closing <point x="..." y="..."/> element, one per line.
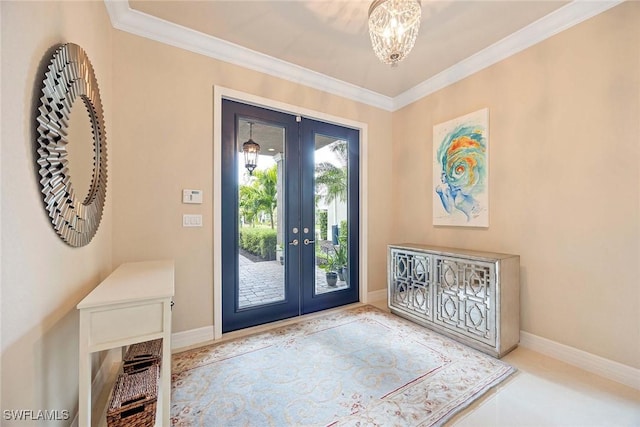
<point x="220" y="93"/>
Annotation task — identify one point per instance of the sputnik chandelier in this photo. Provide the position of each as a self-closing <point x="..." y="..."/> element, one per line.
<point x="393" y="28"/>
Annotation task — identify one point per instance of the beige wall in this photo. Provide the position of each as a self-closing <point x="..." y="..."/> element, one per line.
<point x="163" y="143"/>
<point x="565" y="182"/>
<point x="42" y="278"/>
<point x="564" y="179"/>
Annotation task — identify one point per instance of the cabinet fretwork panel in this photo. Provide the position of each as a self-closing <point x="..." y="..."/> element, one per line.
<point x="412" y="282"/>
<point x="473" y="297"/>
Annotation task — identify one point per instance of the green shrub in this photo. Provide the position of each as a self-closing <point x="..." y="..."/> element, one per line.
<point x="259" y="241"/>
<point x="343" y="235"/>
<point x="322" y="221"/>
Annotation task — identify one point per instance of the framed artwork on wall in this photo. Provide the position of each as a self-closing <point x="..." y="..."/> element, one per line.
<point x="461" y="171"/>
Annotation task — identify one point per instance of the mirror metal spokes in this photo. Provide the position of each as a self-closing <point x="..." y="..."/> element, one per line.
<point x="70" y="76"/>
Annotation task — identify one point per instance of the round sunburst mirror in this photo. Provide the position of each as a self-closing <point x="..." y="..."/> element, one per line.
<point x="70" y="85"/>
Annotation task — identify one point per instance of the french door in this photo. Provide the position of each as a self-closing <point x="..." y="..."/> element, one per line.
<point x="290" y="226"/>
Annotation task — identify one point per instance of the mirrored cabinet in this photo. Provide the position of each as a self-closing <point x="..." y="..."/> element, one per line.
<point x="472" y="297"/>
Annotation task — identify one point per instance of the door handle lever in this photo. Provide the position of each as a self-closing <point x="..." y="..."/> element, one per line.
<point x="294" y="242"/>
<point x="307" y="241"/>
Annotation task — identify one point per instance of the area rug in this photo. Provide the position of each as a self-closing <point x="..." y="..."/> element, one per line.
<point x="350" y="368"/>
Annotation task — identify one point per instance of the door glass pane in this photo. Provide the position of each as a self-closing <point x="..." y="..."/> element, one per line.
<point x="261" y="256"/>
<point x="331" y="198"/>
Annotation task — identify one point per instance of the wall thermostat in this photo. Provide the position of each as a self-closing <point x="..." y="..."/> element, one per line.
<point x="191" y="196"/>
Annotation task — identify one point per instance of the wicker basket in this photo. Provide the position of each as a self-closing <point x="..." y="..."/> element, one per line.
<point x="142" y="355"/>
<point x="134" y="399"/>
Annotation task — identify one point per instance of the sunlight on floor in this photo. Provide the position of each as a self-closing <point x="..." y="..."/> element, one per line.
<point x="547" y="392"/>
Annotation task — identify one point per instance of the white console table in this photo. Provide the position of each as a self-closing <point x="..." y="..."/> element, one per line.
<point x="132" y="305"/>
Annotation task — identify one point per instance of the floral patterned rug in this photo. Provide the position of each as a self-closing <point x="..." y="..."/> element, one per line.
<point x="351" y="368"/>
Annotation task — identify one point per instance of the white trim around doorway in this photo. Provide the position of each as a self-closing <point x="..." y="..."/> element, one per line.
<point x="220" y="93"/>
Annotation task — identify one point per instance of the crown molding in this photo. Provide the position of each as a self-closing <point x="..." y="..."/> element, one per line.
<point x="141" y="24"/>
<point x="135" y="22"/>
<point x="545" y="27"/>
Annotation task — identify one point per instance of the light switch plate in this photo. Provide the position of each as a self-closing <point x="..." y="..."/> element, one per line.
<point x="191" y="220"/>
<point x="191" y="196"/>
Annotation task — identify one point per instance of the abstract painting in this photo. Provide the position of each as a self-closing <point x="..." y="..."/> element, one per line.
<point x="461" y="171"/>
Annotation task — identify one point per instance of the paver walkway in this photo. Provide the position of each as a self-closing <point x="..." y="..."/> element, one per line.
<point x="263" y="282"/>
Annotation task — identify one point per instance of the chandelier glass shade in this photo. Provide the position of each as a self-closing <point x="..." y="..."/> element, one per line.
<point x="393" y="28"/>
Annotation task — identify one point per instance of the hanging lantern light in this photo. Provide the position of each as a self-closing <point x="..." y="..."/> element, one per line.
<point x="251" y="149"/>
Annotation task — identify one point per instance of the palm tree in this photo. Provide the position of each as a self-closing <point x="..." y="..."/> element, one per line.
<point x="260" y="195"/>
<point x="248" y="203"/>
<point x="331" y="180"/>
<point x="267" y="184"/>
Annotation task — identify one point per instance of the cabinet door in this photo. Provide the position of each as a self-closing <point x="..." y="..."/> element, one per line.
<point x="465" y="297"/>
<point x="411" y="282"/>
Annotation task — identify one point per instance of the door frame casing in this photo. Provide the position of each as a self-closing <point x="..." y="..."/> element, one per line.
<point x="220" y="93"/>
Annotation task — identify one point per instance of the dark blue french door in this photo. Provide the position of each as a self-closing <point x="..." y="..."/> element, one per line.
<point x="289" y="226"/>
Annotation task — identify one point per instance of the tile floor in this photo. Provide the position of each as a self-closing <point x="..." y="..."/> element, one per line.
<point x="546" y="392"/>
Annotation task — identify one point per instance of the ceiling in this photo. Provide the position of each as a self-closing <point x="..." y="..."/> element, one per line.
<point x="328" y="39"/>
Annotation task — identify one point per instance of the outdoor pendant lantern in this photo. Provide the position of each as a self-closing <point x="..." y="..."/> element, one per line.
<point x="251" y="149"/>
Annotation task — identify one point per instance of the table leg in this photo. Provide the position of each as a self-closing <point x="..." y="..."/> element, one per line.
<point x="84" y="378"/>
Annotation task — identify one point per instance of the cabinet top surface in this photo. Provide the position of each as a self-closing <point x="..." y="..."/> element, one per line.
<point x="132" y="282"/>
<point x="452" y="251"/>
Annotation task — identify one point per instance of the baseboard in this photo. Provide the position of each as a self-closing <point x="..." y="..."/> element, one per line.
<point x="606" y="368"/>
<point x="105" y="376"/>
<point x="191" y="337"/>
<point x="378" y="295"/>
